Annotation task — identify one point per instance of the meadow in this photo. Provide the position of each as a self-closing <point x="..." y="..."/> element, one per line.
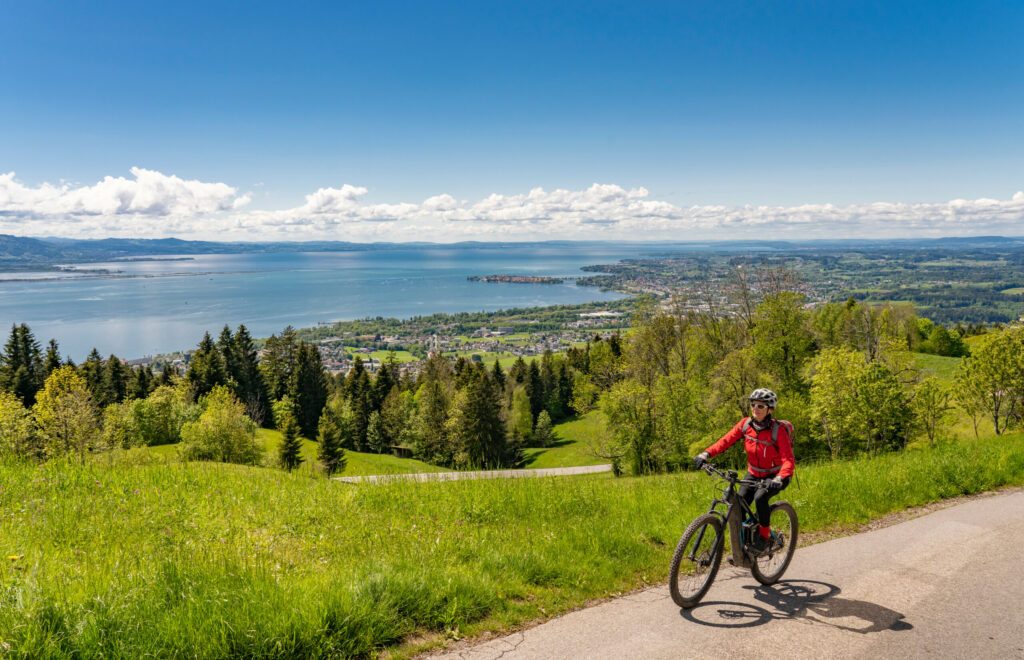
<point x="211" y="560"/>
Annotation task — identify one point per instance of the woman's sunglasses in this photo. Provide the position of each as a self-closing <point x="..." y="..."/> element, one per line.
<point x="759" y="406"/>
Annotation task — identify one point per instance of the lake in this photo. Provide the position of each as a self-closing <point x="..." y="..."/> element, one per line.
<point x="163" y="306"/>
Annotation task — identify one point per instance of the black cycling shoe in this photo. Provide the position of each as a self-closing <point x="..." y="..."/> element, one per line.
<point x="759" y="545"/>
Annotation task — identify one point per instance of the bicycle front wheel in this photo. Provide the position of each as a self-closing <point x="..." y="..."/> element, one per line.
<point x="768" y="567"/>
<point x="696" y="560"/>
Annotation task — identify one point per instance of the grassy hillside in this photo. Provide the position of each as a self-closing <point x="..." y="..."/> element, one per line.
<point x="937" y="365"/>
<point x="358" y="464"/>
<point x="213" y="560"/>
<point x="573" y="447"/>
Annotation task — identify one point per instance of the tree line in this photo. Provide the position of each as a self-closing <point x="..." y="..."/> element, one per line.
<point x="457" y="413"/>
<point x="844" y="372"/>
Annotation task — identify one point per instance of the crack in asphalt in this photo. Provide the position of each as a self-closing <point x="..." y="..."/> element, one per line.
<point x="512" y="646"/>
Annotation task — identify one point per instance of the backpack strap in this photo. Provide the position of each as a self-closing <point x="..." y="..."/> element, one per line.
<point x="776" y="423"/>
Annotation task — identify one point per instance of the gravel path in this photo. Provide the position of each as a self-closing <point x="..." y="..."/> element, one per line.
<point x="480" y="474"/>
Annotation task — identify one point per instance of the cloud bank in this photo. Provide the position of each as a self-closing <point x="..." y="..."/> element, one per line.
<point x="153" y="204"/>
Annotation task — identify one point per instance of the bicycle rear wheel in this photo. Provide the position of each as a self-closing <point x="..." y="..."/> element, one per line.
<point x="696" y="560"/>
<point x="769" y="567"/>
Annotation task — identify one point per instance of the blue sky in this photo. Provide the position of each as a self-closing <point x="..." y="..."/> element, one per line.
<point x="710" y="104"/>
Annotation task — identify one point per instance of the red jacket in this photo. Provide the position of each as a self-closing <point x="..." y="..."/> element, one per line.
<point x="763" y="458"/>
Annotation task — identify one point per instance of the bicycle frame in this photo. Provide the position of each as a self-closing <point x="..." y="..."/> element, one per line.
<point x="732" y="518"/>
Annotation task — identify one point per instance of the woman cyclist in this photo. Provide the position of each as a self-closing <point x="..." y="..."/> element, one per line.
<point x="769" y="446"/>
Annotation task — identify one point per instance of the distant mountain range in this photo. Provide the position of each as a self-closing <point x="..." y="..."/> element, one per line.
<point x="21" y="253"/>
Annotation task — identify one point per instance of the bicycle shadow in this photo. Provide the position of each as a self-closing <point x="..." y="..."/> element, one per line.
<point x="808" y="600"/>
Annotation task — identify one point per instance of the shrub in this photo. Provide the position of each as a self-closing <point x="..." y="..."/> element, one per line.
<point x="222" y="433"/>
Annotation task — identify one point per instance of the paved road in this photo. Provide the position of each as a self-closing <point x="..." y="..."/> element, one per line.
<point x="479" y="474"/>
<point x="946" y="585"/>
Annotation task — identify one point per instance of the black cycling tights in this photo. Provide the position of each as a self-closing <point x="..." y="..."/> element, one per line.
<point x="760" y="497"/>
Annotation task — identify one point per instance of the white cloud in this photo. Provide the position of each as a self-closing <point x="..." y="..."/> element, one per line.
<point x="150" y="193"/>
<point x="155" y="204"/>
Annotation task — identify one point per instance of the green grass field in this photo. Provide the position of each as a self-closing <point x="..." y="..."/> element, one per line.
<point x="574" y="445"/>
<point x="937" y="365"/>
<point x="210" y="560"/>
<point x="382" y="356"/>
<point x="1016" y="291"/>
<point x="358" y="463"/>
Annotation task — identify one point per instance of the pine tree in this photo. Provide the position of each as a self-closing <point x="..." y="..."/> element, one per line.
<point x="376" y="436"/>
<point x="290" y="452"/>
<point x="92" y="372"/>
<point x="308" y="388"/>
<point x="21" y="365"/>
<point x="140" y="382"/>
<point x="519" y="372"/>
<point x="360" y="399"/>
<point x="432" y="408"/>
<point x="51" y="362"/>
<point x="544" y="434"/>
<point x="226" y="348"/>
<point x="167" y="375"/>
<point x="476" y="427"/>
<point x="278" y="363"/>
<point x="535" y="389"/>
<point x="498" y="375"/>
<point x="354" y="378"/>
<point x="251" y="389"/>
<point x="206" y="368"/>
<point x="115" y="382"/>
<point x="330" y="452"/>
<point x="387" y="378"/>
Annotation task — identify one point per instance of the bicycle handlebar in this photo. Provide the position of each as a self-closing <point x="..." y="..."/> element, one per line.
<point x="730" y="475"/>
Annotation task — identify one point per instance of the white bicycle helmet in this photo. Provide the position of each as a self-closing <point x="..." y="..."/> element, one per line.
<point x="765" y="396"/>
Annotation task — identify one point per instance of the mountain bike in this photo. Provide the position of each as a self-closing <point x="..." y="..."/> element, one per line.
<point x="699" y="553"/>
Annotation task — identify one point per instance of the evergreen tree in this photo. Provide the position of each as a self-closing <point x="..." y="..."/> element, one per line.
<point x="140" y="382"/>
<point x="115" y="382"/>
<point x="92" y="372"/>
<point x="376" y="435"/>
<point x="396" y="414"/>
<point x="360" y="399"/>
<point x="519" y="372"/>
<point x="566" y="379"/>
<point x="226" y="348"/>
<point x="476" y="428"/>
<point x="330" y="452"/>
<point x="250" y="387"/>
<point x="355" y="378"/>
<point x="205" y="369"/>
<point x="21" y="365"/>
<point x="463" y="371"/>
<point x="279" y="361"/>
<point x="387" y="378"/>
<point x="290" y="452"/>
<point x="544" y="434"/>
<point x="51" y="362"/>
<point x="167" y="375"/>
<point x="309" y="388"/>
<point x="498" y="375"/>
<point x="432" y="402"/>
<point x="535" y="389"/>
